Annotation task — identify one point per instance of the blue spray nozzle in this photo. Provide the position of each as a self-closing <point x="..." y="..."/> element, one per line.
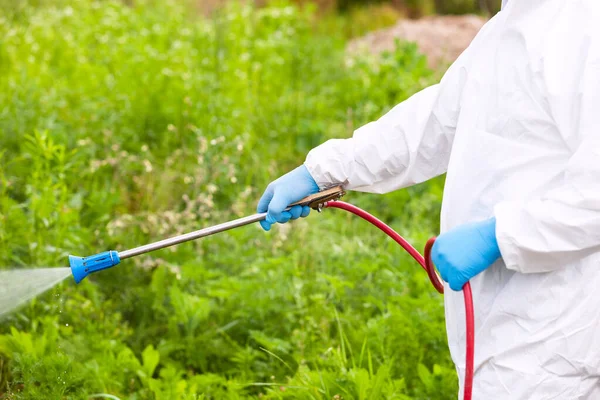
<point x="83" y="266"/>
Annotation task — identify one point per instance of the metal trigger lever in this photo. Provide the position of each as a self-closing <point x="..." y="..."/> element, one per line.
<point x="317" y="201"/>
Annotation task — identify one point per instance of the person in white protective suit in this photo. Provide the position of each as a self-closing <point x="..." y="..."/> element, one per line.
<point x="515" y="123"/>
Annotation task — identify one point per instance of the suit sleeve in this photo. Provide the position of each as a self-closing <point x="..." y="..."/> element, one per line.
<point x="408" y="145"/>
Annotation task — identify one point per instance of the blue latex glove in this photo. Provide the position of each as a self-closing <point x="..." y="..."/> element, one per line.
<point x="289" y="188"/>
<point x="465" y="251"/>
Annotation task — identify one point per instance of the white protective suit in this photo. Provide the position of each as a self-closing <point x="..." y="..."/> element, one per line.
<point x="515" y="123"/>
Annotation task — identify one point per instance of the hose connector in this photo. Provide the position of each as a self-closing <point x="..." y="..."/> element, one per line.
<point x="83" y="266"/>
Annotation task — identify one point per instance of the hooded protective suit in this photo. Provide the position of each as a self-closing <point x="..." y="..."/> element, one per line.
<point x="515" y="123"/>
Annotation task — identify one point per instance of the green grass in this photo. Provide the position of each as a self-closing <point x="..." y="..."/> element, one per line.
<point x="123" y="125"/>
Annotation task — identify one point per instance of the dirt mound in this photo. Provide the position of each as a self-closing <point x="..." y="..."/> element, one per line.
<point x="441" y="38"/>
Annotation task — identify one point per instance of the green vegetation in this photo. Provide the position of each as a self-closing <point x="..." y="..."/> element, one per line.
<point x="358" y="21"/>
<point x="417" y="8"/>
<point x="122" y="125"/>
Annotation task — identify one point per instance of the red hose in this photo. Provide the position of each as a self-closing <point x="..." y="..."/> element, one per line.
<point x="428" y="266"/>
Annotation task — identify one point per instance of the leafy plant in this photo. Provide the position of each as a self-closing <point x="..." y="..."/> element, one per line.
<point x="120" y="125"/>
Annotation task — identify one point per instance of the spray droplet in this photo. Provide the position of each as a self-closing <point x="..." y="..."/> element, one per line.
<point x="66" y="324"/>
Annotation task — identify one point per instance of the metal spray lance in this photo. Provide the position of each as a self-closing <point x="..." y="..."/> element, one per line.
<point x="83" y="266"/>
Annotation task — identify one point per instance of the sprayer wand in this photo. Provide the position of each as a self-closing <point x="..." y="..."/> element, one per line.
<point x="83" y="266"/>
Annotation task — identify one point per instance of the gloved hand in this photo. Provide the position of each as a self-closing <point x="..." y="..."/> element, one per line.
<point x="289" y="188"/>
<point x="465" y="251"/>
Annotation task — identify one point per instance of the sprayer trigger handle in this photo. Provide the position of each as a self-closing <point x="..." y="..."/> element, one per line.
<point x="317" y="200"/>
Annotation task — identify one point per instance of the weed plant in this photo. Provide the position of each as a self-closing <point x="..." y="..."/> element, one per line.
<point x="121" y="125"/>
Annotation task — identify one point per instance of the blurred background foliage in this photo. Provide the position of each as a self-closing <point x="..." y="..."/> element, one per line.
<point x="124" y="123"/>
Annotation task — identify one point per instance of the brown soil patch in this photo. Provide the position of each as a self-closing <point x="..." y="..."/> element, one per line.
<point x="441" y="38"/>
